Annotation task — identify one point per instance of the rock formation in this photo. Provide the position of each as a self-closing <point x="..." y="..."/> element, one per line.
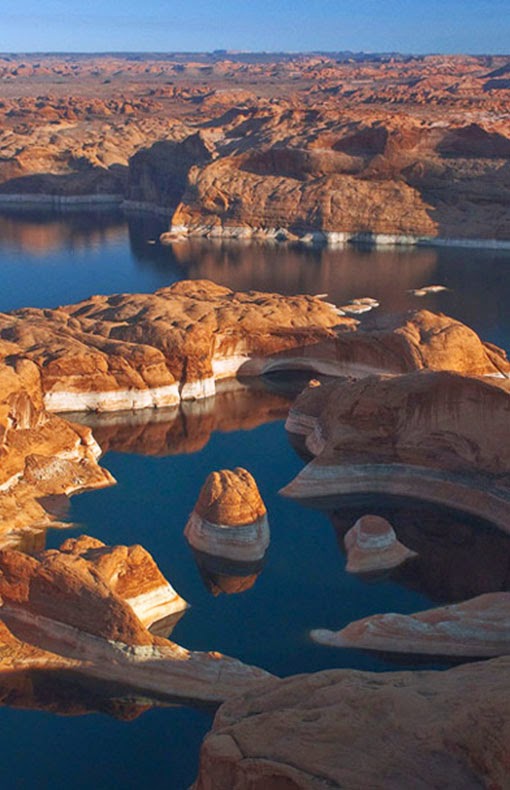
<point x="81" y="609"/>
<point x="322" y="148"/>
<point x="131" y="351"/>
<point x="43" y="457"/>
<point x="372" y="546"/>
<point x="476" y="628"/>
<point x="349" y="729"/>
<point x="437" y="436"/>
<point x="229" y="519"/>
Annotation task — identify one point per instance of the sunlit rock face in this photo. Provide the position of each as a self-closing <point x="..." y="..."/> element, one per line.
<point x="84" y="608"/>
<point x="132" y="574"/>
<point x="135" y="351"/>
<point x="437" y="436"/>
<point x="477" y="628"/>
<point x="372" y="546"/>
<point x="350" y="729"/>
<point x="229" y="519"/>
<point x="44" y="459"/>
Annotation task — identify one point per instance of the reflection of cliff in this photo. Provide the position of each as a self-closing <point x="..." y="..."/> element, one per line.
<point x="188" y="428"/>
<point x="69" y="694"/>
<point x="458" y="558"/>
<point x="38" y="232"/>
<point x="342" y="274"/>
<point x="221" y="575"/>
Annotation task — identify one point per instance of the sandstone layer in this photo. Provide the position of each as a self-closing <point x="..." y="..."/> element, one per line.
<point x="324" y="147"/>
<point x="44" y="458"/>
<point x="476" y="628"/>
<point x="372" y="546"/>
<point x="83" y="609"/>
<point x="349" y="729"/>
<point x="229" y="519"/>
<point x="435" y="436"/>
<point x="131" y="351"/>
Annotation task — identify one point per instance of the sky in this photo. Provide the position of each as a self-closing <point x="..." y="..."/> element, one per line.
<point x="414" y="26"/>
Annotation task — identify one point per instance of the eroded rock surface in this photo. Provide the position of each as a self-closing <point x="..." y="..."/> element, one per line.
<point x="437" y="436"/>
<point x="343" y="728"/>
<point x="372" y="546"/>
<point x="476" y="628"/>
<point x="74" y="609"/>
<point x="130" y="351"/>
<point x="229" y="519"/>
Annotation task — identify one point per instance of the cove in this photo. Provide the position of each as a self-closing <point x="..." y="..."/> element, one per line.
<point x="49" y="260"/>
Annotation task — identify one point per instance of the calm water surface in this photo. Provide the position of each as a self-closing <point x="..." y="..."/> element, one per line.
<point x="160" y="466"/>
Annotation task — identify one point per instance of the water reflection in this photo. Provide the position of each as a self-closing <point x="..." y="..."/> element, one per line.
<point x="103" y="251"/>
<point x="38" y="232"/>
<point x="187" y="428"/>
<point x="221" y="575"/>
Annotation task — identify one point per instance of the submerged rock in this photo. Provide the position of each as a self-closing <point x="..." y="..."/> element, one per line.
<point x="477" y="628"/>
<point x="372" y="546"/>
<point x="229" y="519"/>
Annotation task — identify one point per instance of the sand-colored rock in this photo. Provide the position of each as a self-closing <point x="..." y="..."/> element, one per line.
<point x="43" y="458"/>
<point x="372" y="546"/>
<point x="476" y="628"/>
<point x="132" y="351"/>
<point x="349" y="729"/>
<point x="436" y="436"/>
<point x="229" y="519"/>
<point x="74" y="609"/>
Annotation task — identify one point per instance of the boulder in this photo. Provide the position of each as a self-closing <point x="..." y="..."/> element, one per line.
<point x="372" y="546"/>
<point x="229" y="519"/>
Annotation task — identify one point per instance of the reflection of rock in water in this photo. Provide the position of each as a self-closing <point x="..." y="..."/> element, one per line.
<point x="37" y="231"/>
<point x="69" y="694"/>
<point x="293" y="269"/>
<point x="458" y="557"/>
<point x="187" y="428"/>
<point x="221" y="575"/>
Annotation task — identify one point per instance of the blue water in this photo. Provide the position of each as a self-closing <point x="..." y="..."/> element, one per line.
<point x="48" y="260"/>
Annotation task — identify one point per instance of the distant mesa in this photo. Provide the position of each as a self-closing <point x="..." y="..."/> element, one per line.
<point x="372" y="546"/>
<point x="475" y="629"/>
<point x="229" y="519"/>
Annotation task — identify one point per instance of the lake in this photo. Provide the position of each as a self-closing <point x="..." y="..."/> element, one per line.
<point x="160" y="462"/>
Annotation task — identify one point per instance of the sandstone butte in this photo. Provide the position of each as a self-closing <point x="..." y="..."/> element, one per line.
<point x="349" y="729"/>
<point x="383" y="149"/>
<point x="84" y="609"/>
<point x="372" y="546"/>
<point x="437" y="435"/>
<point x="229" y="519"/>
<point x="476" y="628"/>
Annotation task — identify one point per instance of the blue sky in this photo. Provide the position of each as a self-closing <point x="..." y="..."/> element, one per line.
<point x="165" y="25"/>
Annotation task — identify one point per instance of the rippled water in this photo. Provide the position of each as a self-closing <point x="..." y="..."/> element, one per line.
<point x="161" y="460"/>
